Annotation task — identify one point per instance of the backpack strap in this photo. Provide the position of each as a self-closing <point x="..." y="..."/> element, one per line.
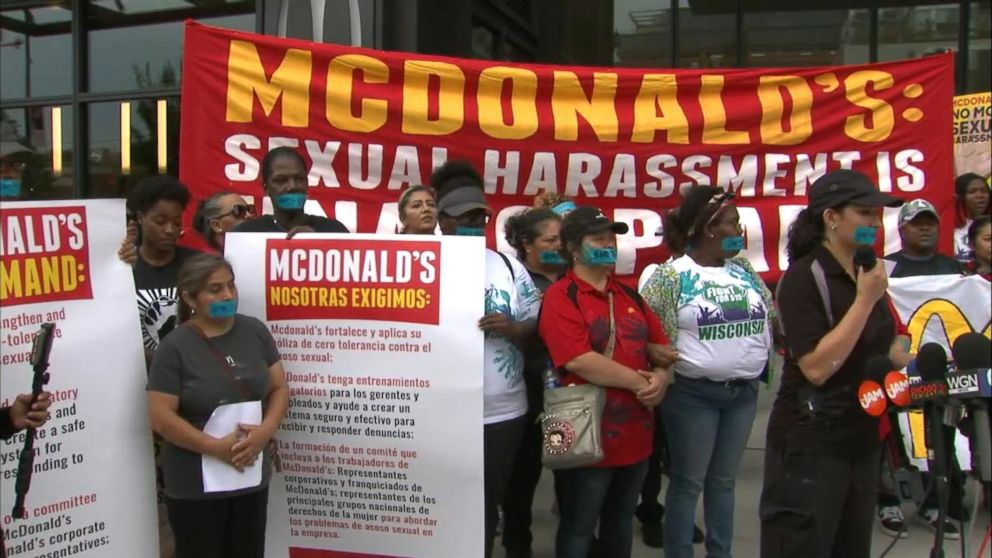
<point x="509" y="266"/>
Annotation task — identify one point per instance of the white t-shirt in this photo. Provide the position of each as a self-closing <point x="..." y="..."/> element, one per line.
<point x="723" y="322"/>
<point x="513" y="294"/>
<point x="962" y="252"/>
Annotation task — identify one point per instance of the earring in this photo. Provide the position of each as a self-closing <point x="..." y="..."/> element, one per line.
<point x="833" y="227"/>
<point x="711" y="235"/>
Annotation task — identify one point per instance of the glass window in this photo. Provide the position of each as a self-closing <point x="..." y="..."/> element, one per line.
<point x="130" y="140"/>
<point x="36" y="52"/>
<point x="805" y="38"/>
<point x="642" y="33"/>
<point x="36" y="153"/>
<point x="979" y="45"/>
<point x="115" y="28"/>
<point x="912" y="32"/>
<point x="707" y="34"/>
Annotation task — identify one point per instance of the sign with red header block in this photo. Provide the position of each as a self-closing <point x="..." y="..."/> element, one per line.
<point x="312" y="279"/>
<point x="629" y="141"/>
<point x="45" y="255"/>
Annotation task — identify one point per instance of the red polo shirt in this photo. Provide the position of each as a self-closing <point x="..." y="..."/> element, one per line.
<point x="570" y="329"/>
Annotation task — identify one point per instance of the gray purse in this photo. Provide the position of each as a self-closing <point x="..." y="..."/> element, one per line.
<point x="572" y="422"/>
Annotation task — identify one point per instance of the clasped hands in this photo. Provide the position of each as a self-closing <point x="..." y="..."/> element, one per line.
<point x="242" y="447"/>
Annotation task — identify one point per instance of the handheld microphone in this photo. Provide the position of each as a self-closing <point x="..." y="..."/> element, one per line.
<point x="865" y="258"/>
<point x="931" y="362"/>
<point x="871" y="396"/>
<point x="973" y="356"/>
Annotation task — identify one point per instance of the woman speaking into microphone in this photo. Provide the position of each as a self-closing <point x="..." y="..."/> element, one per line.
<point x="822" y="451"/>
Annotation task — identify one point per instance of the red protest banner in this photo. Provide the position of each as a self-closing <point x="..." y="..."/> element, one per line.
<point x="371" y="123"/>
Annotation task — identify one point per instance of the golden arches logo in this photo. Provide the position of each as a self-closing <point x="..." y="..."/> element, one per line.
<point x="952" y="320"/>
<point x="954" y="324"/>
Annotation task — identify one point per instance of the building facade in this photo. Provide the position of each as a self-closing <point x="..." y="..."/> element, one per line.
<point x="90" y="89"/>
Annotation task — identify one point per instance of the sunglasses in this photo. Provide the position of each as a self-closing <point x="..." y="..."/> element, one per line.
<point x="240" y="211"/>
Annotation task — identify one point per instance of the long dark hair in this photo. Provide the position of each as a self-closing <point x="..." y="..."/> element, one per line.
<point x="193" y="277"/>
<point x="521" y="229"/>
<point x="805" y="233"/>
<point x="961" y="183"/>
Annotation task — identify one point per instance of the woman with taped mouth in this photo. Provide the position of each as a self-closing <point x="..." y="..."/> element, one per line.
<point x="534" y="234"/>
<point x="599" y="331"/>
<point x="717" y="311"/>
<point x="218" y="214"/>
<point x="823" y="451"/>
<point x="215" y="357"/>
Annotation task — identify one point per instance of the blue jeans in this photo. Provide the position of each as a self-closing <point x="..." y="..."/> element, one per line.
<point x="707" y="425"/>
<point x="590" y="494"/>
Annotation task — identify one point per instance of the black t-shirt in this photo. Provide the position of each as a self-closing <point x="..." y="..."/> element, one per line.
<point x="937" y="264"/>
<point x="826" y="419"/>
<point x="155" y="287"/>
<point x="268" y="223"/>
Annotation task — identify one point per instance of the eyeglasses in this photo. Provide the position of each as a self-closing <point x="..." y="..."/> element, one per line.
<point x="239" y="211"/>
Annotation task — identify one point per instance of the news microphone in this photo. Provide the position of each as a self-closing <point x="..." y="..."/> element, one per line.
<point x="931" y="362"/>
<point x="897" y="388"/>
<point x="865" y="258"/>
<point x="973" y="356"/>
<point x="871" y="395"/>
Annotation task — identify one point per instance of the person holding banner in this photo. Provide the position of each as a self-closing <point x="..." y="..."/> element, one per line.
<point x="511" y="306"/>
<point x="579" y="314"/>
<point x="284" y="181"/>
<point x="718" y="313"/>
<point x="534" y="234"/>
<point x="216" y="357"/>
<point x="218" y="214"/>
<point x="418" y="210"/>
<point x="823" y="450"/>
<point x="971" y="201"/>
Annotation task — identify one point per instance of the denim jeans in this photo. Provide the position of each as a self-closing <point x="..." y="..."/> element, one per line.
<point x="591" y="494"/>
<point x="707" y="425"/>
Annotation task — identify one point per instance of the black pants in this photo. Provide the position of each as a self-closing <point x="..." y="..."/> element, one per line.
<point x="501" y="441"/>
<point x="817" y="505"/>
<point x="650" y="510"/>
<point x="220" y="528"/>
<point x="520" y="492"/>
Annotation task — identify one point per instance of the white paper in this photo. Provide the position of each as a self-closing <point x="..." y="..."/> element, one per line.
<point x="219" y="476"/>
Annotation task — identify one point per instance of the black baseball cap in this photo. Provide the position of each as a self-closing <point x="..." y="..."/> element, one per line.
<point x="462" y="200"/>
<point x="844" y="186"/>
<point x="587" y="220"/>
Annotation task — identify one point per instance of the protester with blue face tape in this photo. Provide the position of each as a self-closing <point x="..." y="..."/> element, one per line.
<point x="535" y="235"/>
<point x="284" y="181"/>
<point x="510" y="321"/>
<point x="717" y="312"/>
<point x="823" y="451"/>
<point x="214" y="357"/>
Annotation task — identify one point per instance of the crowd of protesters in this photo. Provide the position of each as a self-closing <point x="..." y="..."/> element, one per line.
<point x="680" y="367"/>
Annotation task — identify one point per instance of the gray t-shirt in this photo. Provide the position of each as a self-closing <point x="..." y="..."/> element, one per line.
<point x="185" y="366"/>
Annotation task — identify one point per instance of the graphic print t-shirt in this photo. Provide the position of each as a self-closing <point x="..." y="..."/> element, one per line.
<point x="723" y="322"/>
<point x="155" y="287"/>
<point x="515" y="295"/>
